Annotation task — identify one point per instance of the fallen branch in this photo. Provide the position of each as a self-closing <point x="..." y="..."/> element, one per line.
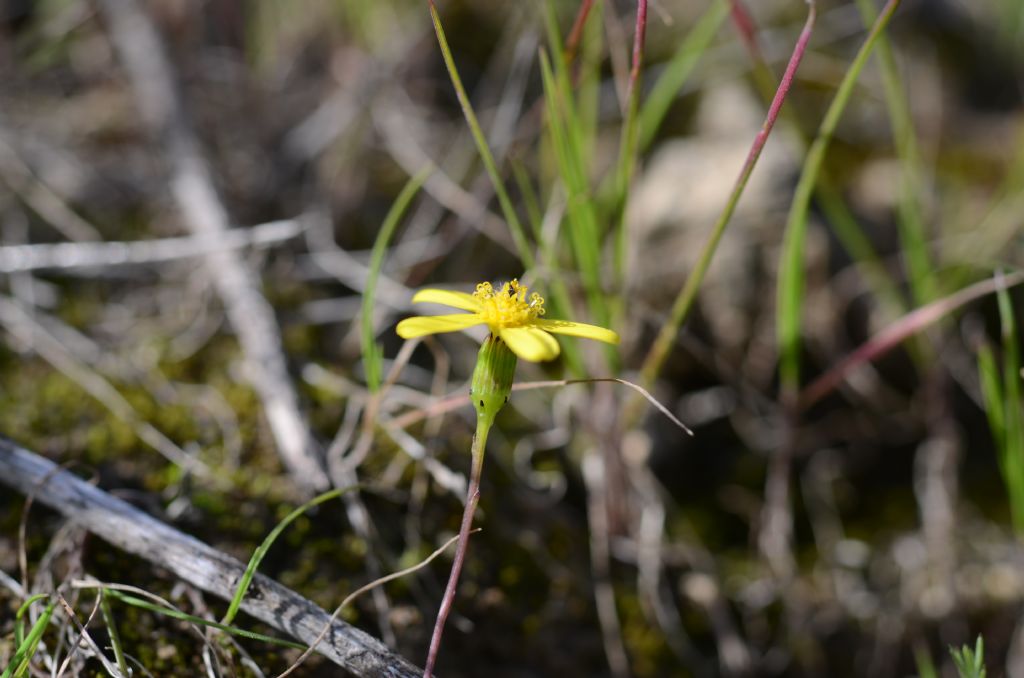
<point x="92" y="255"/>
<point x="128" y="528"/>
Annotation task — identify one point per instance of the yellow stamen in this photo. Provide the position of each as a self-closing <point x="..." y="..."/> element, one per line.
<point x="509" y="306"/>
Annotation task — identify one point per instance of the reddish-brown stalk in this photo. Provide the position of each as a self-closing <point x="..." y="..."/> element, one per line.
<point x="681" y="308"/>
<point x="472" y="497"/>
<point x="745" y="25"/>
<point x="638" y="48"/>
<point x="572" y="43"/>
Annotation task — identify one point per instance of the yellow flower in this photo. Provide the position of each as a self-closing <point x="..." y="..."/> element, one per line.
<point x="508" y="313"/>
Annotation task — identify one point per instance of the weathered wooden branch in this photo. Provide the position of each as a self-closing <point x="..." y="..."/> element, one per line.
<point x="128" y="528"/>
<point x="92" y="255"/>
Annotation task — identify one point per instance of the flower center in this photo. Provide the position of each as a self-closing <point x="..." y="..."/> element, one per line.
<point x="509" y="306"/>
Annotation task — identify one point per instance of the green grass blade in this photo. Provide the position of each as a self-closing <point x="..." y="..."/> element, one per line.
<point x="923" y="662"/>
<point x="678" y="70"/>
<point x="992" y="396"/>
<point x="920" y="269"/>
<point x="261" y="551"/>
<point x="178" y="614"/>
<point x="19" y="617"/>
<point x="1013" y="438"/>
<point x="515" y="226"/>
<point x="969" y="663"/>
<point x="588" y="77"/>
<point x="583" y="231"/>
<point x="626" y="164"/>
<point x="791" y="267"/>
<point x="575" y="127"/>
<point x="115" y="637"/>
<point x="372" y="351"/>
<point x="844" y="224"/>
<point x="688" y="294"/>
<point x="558" y="293"/>
<point x="531" y="203"/>
<point x="26" y="649"/>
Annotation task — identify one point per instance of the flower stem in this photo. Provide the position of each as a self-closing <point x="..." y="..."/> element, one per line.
<point x="483" y="426"/>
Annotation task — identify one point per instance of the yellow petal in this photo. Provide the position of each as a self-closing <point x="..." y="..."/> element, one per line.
<point x="530" y="343"/>
<point x="577" y="330"/>
<point x="459" y="300"/>
<point x="420" y="325"/>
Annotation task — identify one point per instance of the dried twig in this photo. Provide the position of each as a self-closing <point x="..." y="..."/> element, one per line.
<point x="87" y="255"/>
<point x="126" y="527"/>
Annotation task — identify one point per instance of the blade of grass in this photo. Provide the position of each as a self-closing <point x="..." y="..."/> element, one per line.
<point x="587" y="77"/>
<point x="261" y="550"/>
<point x="372" y="352"/>
<point x="677" y="71"/>
<point x="20" y="662"/>
<point x="560" y="304"/>
<point x="923" y="662"/>
<point x="846" y="227"/>
<point x="574" y="126"/>
<point x="992" y="395"/>
<point x="571" y="134"/>
<point x="970" y="663"/>
<point x="177" y="614"/>
<point x="530" y="201"/>
<point x="920" y="269"/>
<point x="19" y="617"/>
<point x="791" y="266"/>
<point x="626" y="165"/>
<point x="687" y="295"/>
<point x="583" y="231"/>
<point x="115" y="637"/>
<point x="572" y="149"/>
<point x="572" y="141"/>
<point x="1013" y="441"/>
<point x="515" y="226"/>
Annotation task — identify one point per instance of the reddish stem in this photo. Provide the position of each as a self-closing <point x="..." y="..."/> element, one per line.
<point x="681" y="307"/>
<point x="745" y="25"/>
<point x="572" y="43"/>
<point x="472" y="497"/>
<point x="638" y="47"/>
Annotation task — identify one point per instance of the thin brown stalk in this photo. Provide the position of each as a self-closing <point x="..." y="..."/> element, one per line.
<point x="684" y="301"/>
<point x="472" y="498"/>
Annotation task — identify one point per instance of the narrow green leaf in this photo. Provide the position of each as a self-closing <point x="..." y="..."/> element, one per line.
<point x="583" y="231"/>
<point x="515" y="226"/>
<point x="992" y="394"/>
<point x="261" y="550"/>
<point x="921" y="271"/>
<point x="677" y="71"/>
<point x="115" y="637"/>
<point x="178" y="614"/>
<point x="26" y="649"/>
<point x="372" y="352"/>
<point x="1013" y="439"/>
<point x="924" y="663"/>
<point x="791" y="266"/>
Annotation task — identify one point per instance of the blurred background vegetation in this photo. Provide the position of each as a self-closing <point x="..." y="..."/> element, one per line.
<point x="862" y="534"/>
